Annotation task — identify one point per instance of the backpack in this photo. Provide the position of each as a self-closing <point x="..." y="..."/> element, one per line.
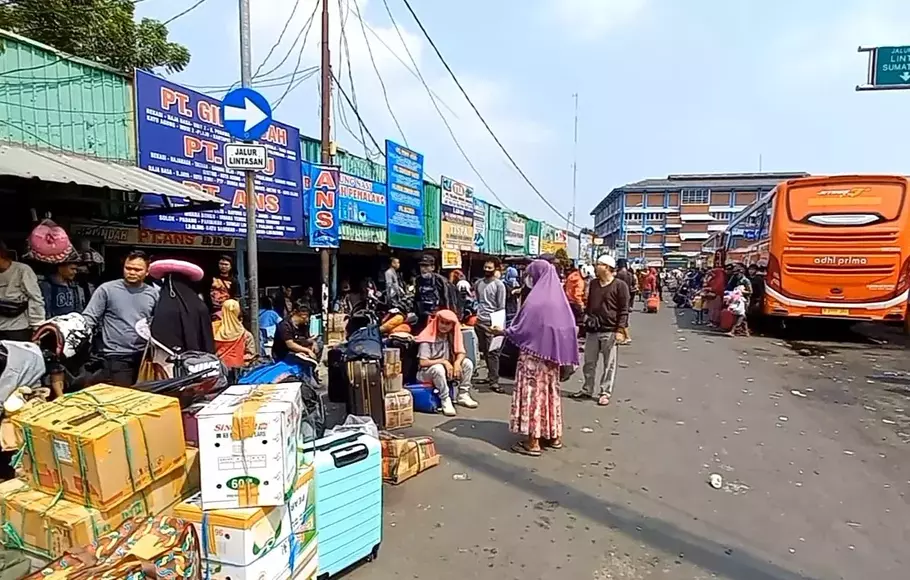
<point x="427" y="300"/>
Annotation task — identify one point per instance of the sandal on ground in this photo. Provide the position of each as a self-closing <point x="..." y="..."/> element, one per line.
<point x="522" y="449"/>
<point x="603" y="400"/>
<point x="497" y="389"/>
<point x="554" y="445"/>
<point x="579" y="396"/>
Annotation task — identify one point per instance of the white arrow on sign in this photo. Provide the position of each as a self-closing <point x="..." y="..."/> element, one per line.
<point x="905" y="77"/>
<point x="250" y="114"/>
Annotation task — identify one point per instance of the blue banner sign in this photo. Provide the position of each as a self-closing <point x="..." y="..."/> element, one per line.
<point x="362" y="201"/>
<point x="180" y="136"/>
<point x="404" y="182"/>
<point x="322" y="205"/>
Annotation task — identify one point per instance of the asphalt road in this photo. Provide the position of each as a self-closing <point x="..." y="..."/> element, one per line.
<point x="811" y="451"/>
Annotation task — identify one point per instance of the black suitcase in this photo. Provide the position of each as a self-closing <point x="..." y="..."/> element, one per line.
<point x="339" y="385"/>
<point x="366" y="397"/>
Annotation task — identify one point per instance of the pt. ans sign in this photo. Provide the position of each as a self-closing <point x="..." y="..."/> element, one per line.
<point x="889" y="68"/>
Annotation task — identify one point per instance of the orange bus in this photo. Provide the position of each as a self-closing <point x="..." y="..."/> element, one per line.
<point x="834" y="247"/>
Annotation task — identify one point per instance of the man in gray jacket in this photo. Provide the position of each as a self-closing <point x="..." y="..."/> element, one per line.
<point x="115" y="309"/>
<point x="490" y="293"/>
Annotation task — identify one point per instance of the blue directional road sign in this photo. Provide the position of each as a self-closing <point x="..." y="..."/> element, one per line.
<point x="246" y="114"/>
<point x="649" y="230"/>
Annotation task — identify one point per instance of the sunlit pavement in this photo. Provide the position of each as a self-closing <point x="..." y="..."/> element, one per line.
<point x="814" y="473"/>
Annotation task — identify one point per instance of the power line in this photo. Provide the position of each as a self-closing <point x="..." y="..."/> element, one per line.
<point x="347" y="57"/>
<point x="262" y="83"/>
<point x="356" y="113"/>
<point x="278" y="40"/>
<point x="439" y="111"/>
<point x="480" y="116"/>
<point x="185" y="12"/>
<point x="304" y="33"/>
<point x="385" y="94"/>
<point x="414" y="73"/>
<point x="292" y="86"/>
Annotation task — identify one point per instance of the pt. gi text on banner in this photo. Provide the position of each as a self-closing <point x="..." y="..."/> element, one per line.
<point x="321" y="192"/>
<point x="180" y="136"/>
<point x="404" y="198"/>
<point x="457" y="208"/>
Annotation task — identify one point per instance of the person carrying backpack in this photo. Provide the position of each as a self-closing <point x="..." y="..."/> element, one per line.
<point x="433" y="293"/>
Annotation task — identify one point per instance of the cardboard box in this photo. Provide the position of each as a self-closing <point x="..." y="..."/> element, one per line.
<point x="296" y="557"/>
<point x="248" y="445"/>
<point x="47" y="527"/>
<point x="101" y="445"/>
<point x="240" y="537"/>
<point x="399" y="409"/>
<point x="405" y="457"/>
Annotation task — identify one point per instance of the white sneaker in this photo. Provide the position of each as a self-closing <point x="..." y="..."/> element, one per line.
<point x="448" y="409"/>
<point x="466" y="400"/>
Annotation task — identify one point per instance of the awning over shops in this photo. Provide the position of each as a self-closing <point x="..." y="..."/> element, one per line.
<point x="62" y="168"/>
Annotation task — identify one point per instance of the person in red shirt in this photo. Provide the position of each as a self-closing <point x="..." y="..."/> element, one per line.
<point x="648" y="287"/>
<point x="575" y="292"/>
<point x="715" y="285"/>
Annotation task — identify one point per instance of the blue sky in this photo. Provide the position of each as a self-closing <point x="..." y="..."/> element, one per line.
<point x="665" y="86"/>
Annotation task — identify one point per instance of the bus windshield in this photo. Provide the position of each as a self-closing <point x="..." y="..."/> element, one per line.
<point x="843" y="204"/>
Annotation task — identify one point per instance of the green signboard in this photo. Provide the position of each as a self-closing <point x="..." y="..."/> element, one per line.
<point x="891" y="66"/>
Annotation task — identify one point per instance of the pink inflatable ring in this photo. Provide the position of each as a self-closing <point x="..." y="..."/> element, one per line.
<point x="161" y="268"/>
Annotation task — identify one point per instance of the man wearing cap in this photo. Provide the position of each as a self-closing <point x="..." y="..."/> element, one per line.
<point x="431" y="294"/>
<point x="606" y="315"/>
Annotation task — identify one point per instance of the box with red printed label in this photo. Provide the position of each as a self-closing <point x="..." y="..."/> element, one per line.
<point x="248" y="446"/>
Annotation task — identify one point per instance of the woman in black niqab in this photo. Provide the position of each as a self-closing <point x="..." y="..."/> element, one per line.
<point x="182" y="321"/>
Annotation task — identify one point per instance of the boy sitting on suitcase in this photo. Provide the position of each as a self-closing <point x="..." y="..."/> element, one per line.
<point x="441" y="355"/>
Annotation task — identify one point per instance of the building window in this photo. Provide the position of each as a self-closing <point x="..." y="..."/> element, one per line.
<point x="633" y="217"/>
<point x="722" y="215"/>
<point x="695" y="196"/>
<point x="654" y="216"/>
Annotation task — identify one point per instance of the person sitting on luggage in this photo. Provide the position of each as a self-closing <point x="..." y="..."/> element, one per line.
<point x="292" y="336"/>
<point x="441" y="355"/>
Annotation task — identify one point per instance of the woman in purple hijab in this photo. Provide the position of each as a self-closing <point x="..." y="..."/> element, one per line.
<point x="545" y="333"/>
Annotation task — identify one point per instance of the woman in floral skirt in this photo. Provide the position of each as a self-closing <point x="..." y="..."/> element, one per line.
<point x="545" y="333"/>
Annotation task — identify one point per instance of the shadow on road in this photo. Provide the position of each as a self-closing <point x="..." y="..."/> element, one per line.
<point x="707" y="554"/>
<point x="495" y="433"/>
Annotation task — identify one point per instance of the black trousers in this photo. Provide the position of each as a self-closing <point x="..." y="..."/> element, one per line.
<point x="24" y="335"/>
<point x="121" y="371"/>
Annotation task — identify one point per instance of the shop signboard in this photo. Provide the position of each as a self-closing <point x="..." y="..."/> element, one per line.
<point x="126" y="236"/>
<point x="451" y="258"/>
<point x="552" y="239"/>
<point x="480" y="225"/>
<point x="515" y="230"/>
<point x="362" y="201"/>
<point x="180" y="135"/>
<point x="534" y="245"/>
<point x="457" y="209"/>
<point x="321" y="187"/>
<point x="404" y="198"/>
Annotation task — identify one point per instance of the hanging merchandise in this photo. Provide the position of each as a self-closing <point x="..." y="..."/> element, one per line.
<point x="49" y="243"/>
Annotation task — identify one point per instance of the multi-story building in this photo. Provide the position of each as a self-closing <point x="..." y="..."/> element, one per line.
<point x="666" y="221"/>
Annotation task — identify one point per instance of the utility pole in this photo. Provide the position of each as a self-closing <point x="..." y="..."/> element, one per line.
<point x="574" y="164"/>
<point x="326" y="139"/>
<point x="252" y="243"/>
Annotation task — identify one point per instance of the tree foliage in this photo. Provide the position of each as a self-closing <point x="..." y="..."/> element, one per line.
<point x="104" y="31"/>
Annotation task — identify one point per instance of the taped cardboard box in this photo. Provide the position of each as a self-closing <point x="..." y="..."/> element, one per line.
<point x="399" y="410"/>
<point x="42" y="525"/>
<point x="405" y="457"/>
<point x="295" y="557"/>
<point x="248" y="444"/>
<point x="101" y="445"/>
<point x="240" y="537"/>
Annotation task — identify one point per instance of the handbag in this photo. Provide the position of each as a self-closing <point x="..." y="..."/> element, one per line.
<point x="12" y="308"/>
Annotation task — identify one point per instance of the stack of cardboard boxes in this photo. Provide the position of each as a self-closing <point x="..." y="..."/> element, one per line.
<point x="255" y="514"/>
<point x="92" y="460"/>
